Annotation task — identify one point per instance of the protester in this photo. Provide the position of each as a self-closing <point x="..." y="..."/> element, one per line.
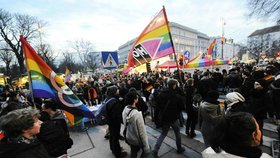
<point x="54" y="131"/>
<point x="190" y="109"/>
<point x="114" y="121"/>
<point x="211" y="119"/>
<point x="171" y="105"/>
<point x="136" y="135"/>
<point x="20" y="128"/>
<point x="235" y="103"/>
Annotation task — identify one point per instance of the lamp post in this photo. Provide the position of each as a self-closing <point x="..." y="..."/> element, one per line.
<point x="223" y="32"/>
<point x="40" y="35"/>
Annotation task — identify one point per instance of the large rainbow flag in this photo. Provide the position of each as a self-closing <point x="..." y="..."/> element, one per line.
<point x="46" y="84"/>
<point x="153" y="43"/>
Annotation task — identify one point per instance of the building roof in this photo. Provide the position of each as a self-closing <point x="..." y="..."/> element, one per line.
<point x="267" y="30"/>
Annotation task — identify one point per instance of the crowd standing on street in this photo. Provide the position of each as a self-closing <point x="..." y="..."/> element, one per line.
<point x="252" y="95"/>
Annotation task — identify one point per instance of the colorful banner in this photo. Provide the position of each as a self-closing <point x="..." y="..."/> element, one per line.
<point x="46" y="84"/>
<point x="153" y="43"/>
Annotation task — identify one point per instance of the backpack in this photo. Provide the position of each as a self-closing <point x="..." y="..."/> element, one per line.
<point x="101" y="115"/>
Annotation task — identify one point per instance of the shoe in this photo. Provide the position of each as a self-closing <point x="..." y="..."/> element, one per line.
<point x="107" y="136"/>
<point x="85" y="129"/>
<point x="121" y="138"/>
<point x="123" y="154"/>
<point x="154" y="153"/>
<point x="181" y="150"/>
<point x="192" y="134"/>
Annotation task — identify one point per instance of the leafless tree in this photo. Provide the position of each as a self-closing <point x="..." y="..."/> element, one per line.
<point x="265" y="8"/>
<point x="47" y="54"/>
<point x="6" y="56"/>
<point x="14" y="25"/>
<point x="85" y="49"/>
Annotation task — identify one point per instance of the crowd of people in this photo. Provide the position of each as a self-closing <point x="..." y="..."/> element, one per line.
<point x="252" y="95"/>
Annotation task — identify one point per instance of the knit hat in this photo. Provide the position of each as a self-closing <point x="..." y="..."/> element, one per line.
<point x="212" y="97"/>
<point x="262" y="82"/>
<point x="111" y="91"/>
<point x="234" y="97"/>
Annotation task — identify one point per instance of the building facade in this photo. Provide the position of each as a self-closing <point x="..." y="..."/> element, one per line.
<point x="265" y="42"/>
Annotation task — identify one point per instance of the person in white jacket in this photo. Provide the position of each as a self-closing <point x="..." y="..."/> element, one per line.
<point x="135" y="135"/>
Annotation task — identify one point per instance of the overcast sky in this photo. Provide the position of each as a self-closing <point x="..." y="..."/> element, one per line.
<point x="110" y="23"/>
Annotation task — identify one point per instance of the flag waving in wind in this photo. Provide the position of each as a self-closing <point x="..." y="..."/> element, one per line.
<point x="68" y="75"/>
<point x="211" y="47"/>
<point x="46" y="84"/>
<point x="153" y="43"/>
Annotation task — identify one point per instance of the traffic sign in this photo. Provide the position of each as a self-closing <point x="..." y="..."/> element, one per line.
<point x="187" y="55"/>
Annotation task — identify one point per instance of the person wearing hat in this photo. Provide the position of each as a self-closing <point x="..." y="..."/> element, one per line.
<point x="114" y="112"/>
<point x="210" y="118"/>
<point x="258" y="104"/>
<point x="235" y="103"/>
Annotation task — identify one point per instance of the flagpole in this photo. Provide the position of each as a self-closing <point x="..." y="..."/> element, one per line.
<point x="175" y="56"/>
<point x="30" y="85"/>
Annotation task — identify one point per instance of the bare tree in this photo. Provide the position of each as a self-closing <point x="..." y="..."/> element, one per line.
<point x="85" y="49"/>
<point x="47" y="54"/>
<point x="14" y="25"/>
<point x="6" y="56"/>
<point x="265" y="8"/>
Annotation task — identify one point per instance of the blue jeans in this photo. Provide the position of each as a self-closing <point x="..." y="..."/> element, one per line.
<point x="165" y="129"/>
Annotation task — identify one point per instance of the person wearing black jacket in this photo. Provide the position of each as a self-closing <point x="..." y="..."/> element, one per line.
<point x="171" y="105"/>
<point x="114" y="111"/>
<point x="20" y="127"/>
<point x="54" y="132"/>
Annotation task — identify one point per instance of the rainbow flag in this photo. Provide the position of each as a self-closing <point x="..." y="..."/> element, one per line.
<point x="153" y="43"/>
<point x="268" y="77"/>
<point x="68" y="75"/>
<point x="211" y="47"/>
<point x="46" y="84"/>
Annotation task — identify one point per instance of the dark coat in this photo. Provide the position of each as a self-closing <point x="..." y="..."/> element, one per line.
<point x="22" y="150"/>
<point x="114" y="111"/>
<point x="258" y="104"/>
<point x="55" y="137"/>
<point x="176" y="104"/>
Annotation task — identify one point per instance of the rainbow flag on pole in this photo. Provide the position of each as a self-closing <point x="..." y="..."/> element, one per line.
<point x="211" y="47"/>
<point x="153" y="43"/>
<point x="46" y="84"/>
<point x="68" y="75"/>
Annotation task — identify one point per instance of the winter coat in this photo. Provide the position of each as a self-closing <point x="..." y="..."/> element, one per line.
<point x="211" y="122"/>
<point x="176" y="104"/>
<point x="136" y="131"/>
<point x="114" y="112"/>
<point x="258" y="104"/>
<point x="22" y="149"/>
<point x="210" y="153"/>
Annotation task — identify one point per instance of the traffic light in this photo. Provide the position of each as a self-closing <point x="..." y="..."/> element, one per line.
<point x="181" y="60"/>
<point x="148" y="66"/>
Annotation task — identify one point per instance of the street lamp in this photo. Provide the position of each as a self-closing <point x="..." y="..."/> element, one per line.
<point x="40" y="30"/>
<point x="223" y="23"/>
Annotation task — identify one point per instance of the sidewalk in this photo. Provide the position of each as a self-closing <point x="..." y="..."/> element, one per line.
<point x="92" y="143"/>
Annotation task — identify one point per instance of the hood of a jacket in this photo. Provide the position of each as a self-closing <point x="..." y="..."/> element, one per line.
<point x="132" y="114"/>
<point x="209" y="106"/>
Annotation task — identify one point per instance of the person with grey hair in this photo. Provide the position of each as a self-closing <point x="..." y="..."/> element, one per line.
<point x="20" y="128"/>
<point x="171" y="105"/>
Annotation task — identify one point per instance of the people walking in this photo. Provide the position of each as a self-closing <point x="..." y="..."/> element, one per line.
<point x="171" y="105"/>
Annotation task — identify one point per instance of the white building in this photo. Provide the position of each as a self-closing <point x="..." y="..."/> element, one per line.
<point x="261" y="41"/>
